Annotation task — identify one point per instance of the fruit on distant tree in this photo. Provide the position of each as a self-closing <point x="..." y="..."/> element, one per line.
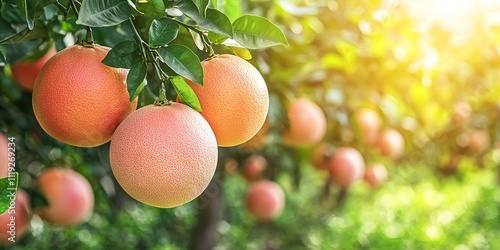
<point x="70" y="197"/>
<point x="369" y="122"/>
<point x="375" y="174"/>
<point x="4" y="159"/>
<point x="253" y="167"/>
<point x="391" y="144"/>
<point x="307" y="124"/>
<point x="79" y="100"/>
<point x="234" y="98"/>
<point x="25" y="72"/>
<point x="346" y="166"/>
<point x="18" y="227"/>
<point x="265" y="200"/>
<point x="164" y="156"/>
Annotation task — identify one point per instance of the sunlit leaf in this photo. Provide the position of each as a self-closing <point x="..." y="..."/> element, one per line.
<point x="256" y="32"/>
<point x="186" y="93"/>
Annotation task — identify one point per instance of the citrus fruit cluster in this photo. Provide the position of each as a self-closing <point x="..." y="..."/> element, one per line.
<point x="162" y="155"/>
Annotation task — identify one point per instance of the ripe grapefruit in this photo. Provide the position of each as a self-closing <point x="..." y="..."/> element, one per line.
<point x="369" y="123"/>
<point x="253" y="167"/>
<point x="70" y="197"/>
<point x="346" y="166"/>
<point x="391" y="144"/>
<point x="375" y="174"/>
<point x="22" y="213"/>
<point x="78" y="100"/>
<point x="265" y="200"/>
<point x="25" y="72"/>
<point x="4" y="159"/>
<point x="164" y="156"/>
<point x="307" y="124"/>
<point x="234" y="99"/>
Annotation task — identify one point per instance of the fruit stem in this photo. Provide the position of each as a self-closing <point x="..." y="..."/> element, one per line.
<point x="89" y="38"/>
<point x="162" y="97"/>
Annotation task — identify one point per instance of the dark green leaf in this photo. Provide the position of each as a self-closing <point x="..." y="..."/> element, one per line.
<point x="162" y="32"/>
<point x="159" y="6"/>
<point x="201" y="5"/>
<point x="256" y="32"/>
<point x="8" y="189"/>
<point x="28" y="8"/>
<point x="215" y="23"/>
<point x="122" y="55"/>
<point x="40" y="31"/>
<point x="186" y="93"/>
<point x="135" y="78"/>
<point x="183" y="61"/>
<point x="103" y="13"/>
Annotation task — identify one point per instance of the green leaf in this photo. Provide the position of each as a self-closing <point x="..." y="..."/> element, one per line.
<point x="8" y="190"/>
<point x="186" y="93"/>
<point x="39" y="31"/>
<point x="201" y="5"/>
<point x="122" y="55"/>
<point x="183" y="61"/>
<point x="162" y="31"/>
<point x="135" y="78"/>
<point x="103" y="13"/>
<point x="221" y="20"/>
<point x="28" y="8"/>
<point x="256" y="32"/>
<point x="217" y="22"/>
<point x="159" y="6"/>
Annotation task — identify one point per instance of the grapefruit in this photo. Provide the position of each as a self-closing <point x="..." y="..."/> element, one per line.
<point x="307" y="124"/>
<point x="4" y="156"/>
<point x="78" y="100"/>
<point x="253" y="167"/>
<point x="164" y="156"/>
<point x="70" y="197"/>
<point x="22" y="213"/>
<point x="391" y="144"/>
<point x="369" y="123"/>
<point x="234" y="99"/>
<point x="25" y="72"/>
<point x="346" y="166"/>
<point x="265" y="200"/>
<point x="375" y="174"/>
